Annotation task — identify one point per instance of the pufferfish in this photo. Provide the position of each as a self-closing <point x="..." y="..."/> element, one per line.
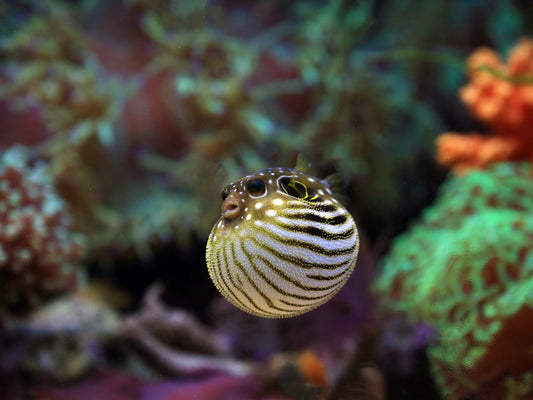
<point x="283" y="244"/>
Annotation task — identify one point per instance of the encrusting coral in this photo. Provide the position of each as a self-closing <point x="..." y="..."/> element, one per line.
<point x="467" y="269"/>
<point x="501" y="96"/>
<point x="39" y="255"/>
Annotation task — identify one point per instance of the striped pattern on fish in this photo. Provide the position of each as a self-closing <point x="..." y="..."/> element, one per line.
<point x="283" y="245"/>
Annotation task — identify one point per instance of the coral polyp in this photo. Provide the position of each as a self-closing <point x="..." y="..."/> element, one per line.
<point x="501" y="96"/>
<point x="39" y="255"/>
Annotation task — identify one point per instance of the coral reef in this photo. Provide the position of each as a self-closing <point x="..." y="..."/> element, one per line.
<point x="266" y="99"/>
<point x="184" y="100"/>
<point x="466" y="269"/>
<point x="50" y="70"/>
<point x="135" y="114"/>
<point x="39" y="255"/>
<point x="501" y="96"/>
<point x="53" y="77"/>
<point x="60" y="341"/>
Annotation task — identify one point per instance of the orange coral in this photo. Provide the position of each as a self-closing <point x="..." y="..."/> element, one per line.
<point x="313" y="369"/>
<point x="466" y="151"/>
<point x="500" y="95"/>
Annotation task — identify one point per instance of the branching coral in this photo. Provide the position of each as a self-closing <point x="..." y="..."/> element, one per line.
<point x="206" y="77"/>
<point x="467" y="269"/>
<point x="53" y="39"/>
<point x="47" y="66"/>
<point x="39" y="255"/>
<point x="210" y="73"/>
<point x="501" y="96"/>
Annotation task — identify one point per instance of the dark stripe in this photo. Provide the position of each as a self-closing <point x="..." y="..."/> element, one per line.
<point x="243" y="269"/>
<point x="314" y="231"/>
<point x="225" y="265"/>
<point x="306" y="245"/>
<point x="289" y="279"/>
<point x="327" y="278"/>
<point x="325" y="207"/>
<point x="309" y="216"/>
<point x="222" y="282"/>
<point x="338" y="220"/>
<point x="215" y="267"/>
<point x="284" y="276"/>
<point x="240" y="287"/>
<point x="296" y="261"/>
<point x="306" y="305"/>
<point x="295" y="282"/>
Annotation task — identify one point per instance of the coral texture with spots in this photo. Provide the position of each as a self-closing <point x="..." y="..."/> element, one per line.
<point x="501" y="96"/>
<point x="39" y="255"/>
<point x="467" y="269"/>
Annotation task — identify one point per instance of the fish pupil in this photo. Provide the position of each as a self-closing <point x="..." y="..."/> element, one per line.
<point x="256" y="187"/>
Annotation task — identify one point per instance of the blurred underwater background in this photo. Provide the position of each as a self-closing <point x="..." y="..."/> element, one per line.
<point x="121" y="122"/>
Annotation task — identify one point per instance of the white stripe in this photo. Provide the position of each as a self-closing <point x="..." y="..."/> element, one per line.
<point x="297" y="274"/>
<point x="323" y="214"/>
<point x="330" y="245"/>
<point x="229" y="269"/>
<point x="331" y="229"/>
<point x="304" y="253"/>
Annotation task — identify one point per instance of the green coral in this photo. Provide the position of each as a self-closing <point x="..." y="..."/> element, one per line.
<point x="467" y="269"/>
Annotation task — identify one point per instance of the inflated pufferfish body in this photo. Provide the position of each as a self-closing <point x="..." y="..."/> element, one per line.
<point x="283" y="245"/>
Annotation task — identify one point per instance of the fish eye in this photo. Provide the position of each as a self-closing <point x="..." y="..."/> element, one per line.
<point x="294" y="188"/>
<point x="256" y="187"/>
<point x="225" y="194"/>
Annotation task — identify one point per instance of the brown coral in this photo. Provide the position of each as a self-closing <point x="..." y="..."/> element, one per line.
<point x="39" y="255"/>
<point x="501" y="96"/>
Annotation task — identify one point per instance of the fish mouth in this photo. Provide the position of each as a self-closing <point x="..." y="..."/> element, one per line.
<point x="231" y="208"/>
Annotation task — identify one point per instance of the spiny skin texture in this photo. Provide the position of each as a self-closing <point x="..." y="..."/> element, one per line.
<point x="467" y="269"/>
<point x="283" y="245"/>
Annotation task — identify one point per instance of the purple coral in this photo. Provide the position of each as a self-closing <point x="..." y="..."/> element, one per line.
<point x="39" y="256"/>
